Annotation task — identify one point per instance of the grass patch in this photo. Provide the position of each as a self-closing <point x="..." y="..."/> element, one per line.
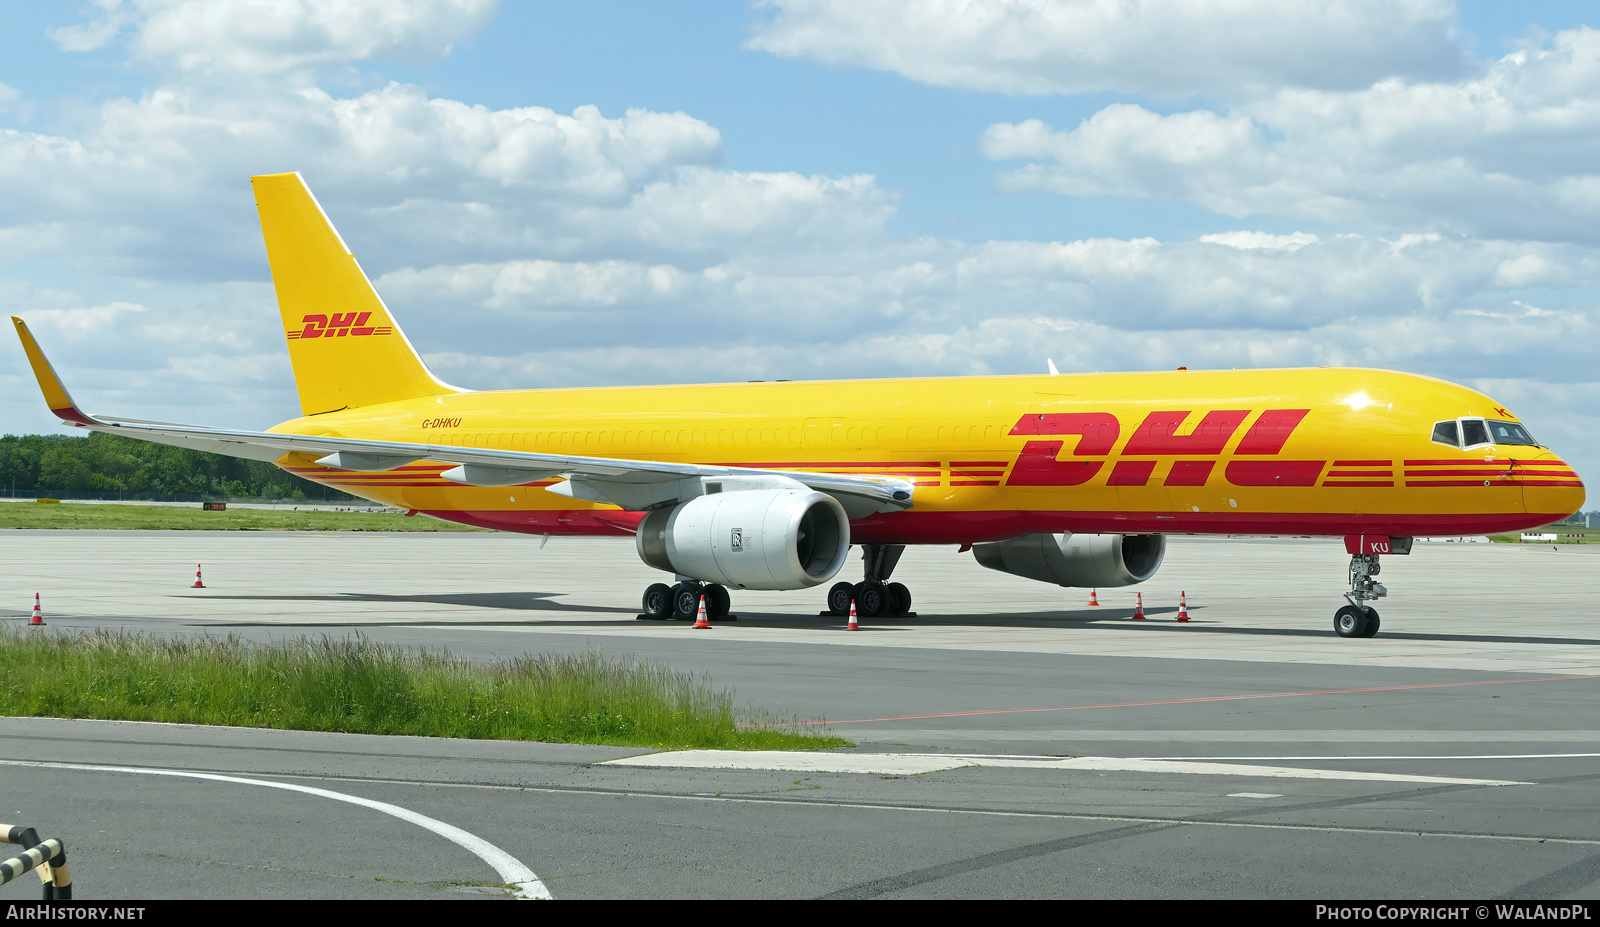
<point x="1584" y="535"/>
<point x="193" y="518"/>
<point x="357" y="686"/>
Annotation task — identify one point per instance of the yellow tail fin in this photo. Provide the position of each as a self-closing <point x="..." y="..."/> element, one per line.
<point x="346" y="349"/>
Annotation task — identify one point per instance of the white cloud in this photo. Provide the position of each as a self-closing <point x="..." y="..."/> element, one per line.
<point x="210" y="37"/>
<point x="76" y="323"/>
<point x="1131" y="286"/>
<point x="1172" y="48"/>
<point x="419" y="179"/>
<point x="1507" y="153"/>
<point x="1261" y="241"/>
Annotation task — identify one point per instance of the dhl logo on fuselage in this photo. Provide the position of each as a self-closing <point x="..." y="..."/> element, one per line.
<point x="1040" y="463"/>
<point x="1157" y="436"/>
<point x="341" y="324"/>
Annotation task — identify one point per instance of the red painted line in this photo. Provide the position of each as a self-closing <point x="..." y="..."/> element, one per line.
<point x="1575" y="484"/>
<point x="1385" y="473"/>
<point x="1204" y="698"/>
<point x="1358" y="482"/>
<point x="977" y="473"/>
<point x="1468" y="473"/>
<point x="384" y="475"/>
<point x="1410" y="483"/>
<point x="1363" y="463"/>
<point x="973" y="483"/>
<point x="979" y="463"/>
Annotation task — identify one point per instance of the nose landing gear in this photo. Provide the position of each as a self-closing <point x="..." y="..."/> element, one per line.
<point x="1358" y="619"/>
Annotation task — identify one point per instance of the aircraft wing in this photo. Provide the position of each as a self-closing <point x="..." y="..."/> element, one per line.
<point x="632" y="484"/>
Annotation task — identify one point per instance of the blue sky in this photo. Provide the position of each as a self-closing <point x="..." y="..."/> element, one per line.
<point x="812" y="188"/>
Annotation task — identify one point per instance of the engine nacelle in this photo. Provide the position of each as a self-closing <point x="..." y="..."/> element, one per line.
<point x="1087" y="560"/>
<point x="750" y="539"/>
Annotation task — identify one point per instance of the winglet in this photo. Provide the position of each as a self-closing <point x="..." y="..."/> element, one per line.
<point x="55" y="394"/>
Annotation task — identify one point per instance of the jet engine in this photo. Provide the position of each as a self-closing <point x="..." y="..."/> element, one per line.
<point x="1088" y="560"/>
<point x="750" y="539"/>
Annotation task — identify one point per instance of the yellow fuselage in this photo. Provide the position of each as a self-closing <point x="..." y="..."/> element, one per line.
<point x="1328" y="451"/>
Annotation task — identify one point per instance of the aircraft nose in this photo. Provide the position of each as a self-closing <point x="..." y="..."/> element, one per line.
<point x="1550" y="487"/>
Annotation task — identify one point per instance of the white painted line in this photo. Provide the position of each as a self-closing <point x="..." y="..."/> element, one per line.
<point x="1253" y="795"/>
<point x="886" y="764"/>
<point x="917" y="763"/>
<point x="510" y="869"/>
<point x="1135" y="764"/>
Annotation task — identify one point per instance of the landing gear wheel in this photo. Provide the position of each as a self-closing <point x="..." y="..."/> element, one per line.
<point x="686" y="601"/>
<point x="717" y="601"/>
<point x="1351" y="622"/>
<point x="870" y="599"/>
<point x="902" y="598"/>
<point x="839" y="598"/>
<point x="1372" y="623"/>
<point x="657" y="604"/>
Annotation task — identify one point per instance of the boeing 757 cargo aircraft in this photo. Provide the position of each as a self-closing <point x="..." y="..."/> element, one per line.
<point x="1067" y="479"/>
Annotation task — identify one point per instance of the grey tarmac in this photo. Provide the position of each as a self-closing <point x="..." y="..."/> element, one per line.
<point x="1487" y="667"/>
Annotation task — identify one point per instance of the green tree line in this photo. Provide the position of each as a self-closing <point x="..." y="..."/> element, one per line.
<point x="111" y="463"/>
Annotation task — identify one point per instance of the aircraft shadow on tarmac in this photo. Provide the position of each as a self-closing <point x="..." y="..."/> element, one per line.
<point x="1160" y="618"/>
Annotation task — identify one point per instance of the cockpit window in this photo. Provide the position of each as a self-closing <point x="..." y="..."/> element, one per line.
<point x="1469" y="433"/>
<point x="1511" y="433"/>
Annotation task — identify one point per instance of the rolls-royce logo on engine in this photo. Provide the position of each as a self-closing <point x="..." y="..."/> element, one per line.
<point x="737" y="540"/>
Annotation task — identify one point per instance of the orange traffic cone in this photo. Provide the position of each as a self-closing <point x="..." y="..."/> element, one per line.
<point x="38" y="616"/>
<point x="1183" y="606"/>
<point x="853" y="625"/>
<point x="700" y="620"/>
<point x="197" y="583"/>
<point x="1093" y="599"/>
<point x="1138" y="609"/>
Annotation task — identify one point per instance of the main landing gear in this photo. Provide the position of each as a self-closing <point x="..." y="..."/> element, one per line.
<point x="681" y="602"/>
<point x="1358" y="619"/>
<point x="874" y="595"/>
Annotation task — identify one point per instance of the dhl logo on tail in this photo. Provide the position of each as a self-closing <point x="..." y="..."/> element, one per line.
<point x="340" y="325"/>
